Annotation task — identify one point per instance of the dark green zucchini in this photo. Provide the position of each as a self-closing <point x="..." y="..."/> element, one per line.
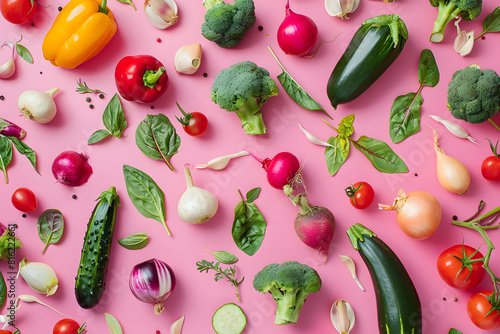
<point x="398" y="305"/>
<point x="373" y="48"/>
<point x="91" y="276"/>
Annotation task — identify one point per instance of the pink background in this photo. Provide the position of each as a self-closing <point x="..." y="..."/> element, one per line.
<point x="196" y="294"/>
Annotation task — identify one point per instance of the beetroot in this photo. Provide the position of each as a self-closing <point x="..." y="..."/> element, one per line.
<point x="315" y="225"/>
<point x="281" y="170"/>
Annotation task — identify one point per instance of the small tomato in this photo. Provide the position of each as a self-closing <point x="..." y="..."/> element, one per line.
<point x="24" y="200"/>
<point x="454" y="273"/>
<point x="481" y="312"/>
<point x="361" y="195"/>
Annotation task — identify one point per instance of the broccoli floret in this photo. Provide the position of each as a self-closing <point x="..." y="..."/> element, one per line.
<point x="474" y="94"/>
<point x="227" y="23"/>
<point x="243" y="88"/>
<point x="448" y="10"/>
<point x="289" y="283"/>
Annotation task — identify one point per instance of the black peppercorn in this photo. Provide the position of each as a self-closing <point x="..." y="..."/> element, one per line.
<point x="455" y="217"/>
<point x="205" y="75"/>
<point x="415" y="174"/>
<point x="24" y="215"/>
<point x="101" y="96"/>
<point x="2" y="97"/>
<point x="59" y="8"/>
<point x="88" y="99"/>
<point x="73" y="196"/>
<point x="152" y="107"/>
<point x="261" y="28"/>
<point x="91" y="106"/>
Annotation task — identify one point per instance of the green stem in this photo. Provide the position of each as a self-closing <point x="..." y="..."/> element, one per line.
<point x="494" y="124"/>
<point x="48" y="242"/>
<point x="150" y="78"/>
<point x="480" y="35"/>
<point x="103" y="8"/>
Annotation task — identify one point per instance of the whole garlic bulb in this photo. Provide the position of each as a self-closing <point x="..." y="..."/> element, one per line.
<point x="38" y="106"/>
<point x="196" y="205"/>
<point x="340" y="8"/>
<point x="161" y="13"/>
<point x="188" y="58"/>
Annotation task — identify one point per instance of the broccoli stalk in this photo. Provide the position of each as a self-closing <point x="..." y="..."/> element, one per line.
<point x="289" y="283"/>
<point x="243" y="88"/>
<point x="450" y="9"/>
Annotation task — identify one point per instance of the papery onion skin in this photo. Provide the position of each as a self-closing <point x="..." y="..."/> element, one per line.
<point x="152" y="281"/>
<point x="71" y="168"/>
<point x="419" y="215"/>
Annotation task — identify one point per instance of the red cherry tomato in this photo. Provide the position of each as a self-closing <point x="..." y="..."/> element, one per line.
<point x="361" y="195"/>
<point x="68" y="326"/>
<point x="18" y="11"/>
<point x="477" y="308"/>
<point x="194" y="123"/>
<point x="24" y="200"/>
<point x="490" y="168"/>
<point x="454" y="273"/>
<point x="4" y="331"/>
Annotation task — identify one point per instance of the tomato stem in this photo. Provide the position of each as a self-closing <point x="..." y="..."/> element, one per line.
<point x="475" y="225"/>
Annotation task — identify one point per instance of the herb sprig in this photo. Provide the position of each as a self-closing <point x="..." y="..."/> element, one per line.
<point x="221" y="273"/>
<point x="84" y="89"/>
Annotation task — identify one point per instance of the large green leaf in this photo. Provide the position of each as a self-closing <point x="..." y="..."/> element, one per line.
<point x="404" y="120"/>
<point x="337" y="155"/>
<point x="25" y="150"/>
<point x="145" y="194"/>
<point x="492" y="22"/>
<point x="428" y="71"/>
<point x="156" y="138"/>
<point x="249" y="226"/>
<point x="50" y="227"/>
<point x="5" y="155"/>
<point x="380" y="155"/>
<point x="114" y="118"/>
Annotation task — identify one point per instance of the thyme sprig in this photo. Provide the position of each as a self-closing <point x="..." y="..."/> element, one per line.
<point x="228" y="273"/>
<point x="83" y="88"/>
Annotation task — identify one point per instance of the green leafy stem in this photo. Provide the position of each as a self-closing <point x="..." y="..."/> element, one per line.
<point x="221" y="273"/>
<point x="479" y="225"/>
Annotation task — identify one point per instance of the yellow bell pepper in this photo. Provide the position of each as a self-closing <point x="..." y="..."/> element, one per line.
<point x="81" y="30"/>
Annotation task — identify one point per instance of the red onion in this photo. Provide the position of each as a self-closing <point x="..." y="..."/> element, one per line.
<point x="297" y="34"/>
<point x="71" y="168"/>
<point x="152" y="282"/>
<point x="8" y="128"/>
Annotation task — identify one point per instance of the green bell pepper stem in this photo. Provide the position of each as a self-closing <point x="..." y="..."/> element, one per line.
<point x="150" y="78"/>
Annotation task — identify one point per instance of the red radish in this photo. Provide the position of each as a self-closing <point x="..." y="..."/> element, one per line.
<point x="71" y="168"/>
<point x="297" y="34"/>
<point x="281" y="169"/>
<point x="315" y="225"/>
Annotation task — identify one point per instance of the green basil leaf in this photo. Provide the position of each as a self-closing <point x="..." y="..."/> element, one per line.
<point x="156" y="138"/>
<point x="98" y="136"/>
<point x="428" y="71"/>
<point x="380" y="155"/>
<point x="337" y="155"/>
<point x="24" y="53"/>
<point x="346" y="125"/>
<point x="50" y="227"/>
<point x="114" y="118"/>
<point x="492" y="22"/>
<point x="454" y="331"/>
<point x="295" y="91"/>
<point x="25" y="150"/>
<point x="225" y="257"/>
<point x="145" y="194"/>
<point x="134" y="241"/>
<point x="5" y="155"/>
<point x="249" y="227"/>
<point x="3" y="290"/>
<point x="404" y="120"/>
<point x="252" y="195"/>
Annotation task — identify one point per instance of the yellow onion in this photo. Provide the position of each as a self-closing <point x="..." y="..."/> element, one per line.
<point x="418" y="213"/>
<point x="452" y="174"/>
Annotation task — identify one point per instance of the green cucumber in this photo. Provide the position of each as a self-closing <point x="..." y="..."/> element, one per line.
<point x="91" y="276"/>
<point x="229" y="319"/>
<point x="373" y="48"/>
<point x="398" y="306"/>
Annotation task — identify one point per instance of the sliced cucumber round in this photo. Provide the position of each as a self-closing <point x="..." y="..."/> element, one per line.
<point x="229" y="319"/>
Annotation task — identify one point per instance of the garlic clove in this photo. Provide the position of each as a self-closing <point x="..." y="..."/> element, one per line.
<point x="340" y="8"/>
<point x="7" y="69"/>
<point x="313" y="139"/>
<point x="352" y="269"/>
<point x="39" y="276"/>
<point x="161" y="13"/>
<point x="188" y="58"/>
<point x="221" y="162"/>
<point x="176" y="327"/>
<point x="342" y="316"/>
<point x="464" y="42"/>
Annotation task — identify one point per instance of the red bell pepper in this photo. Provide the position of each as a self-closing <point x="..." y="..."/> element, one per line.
<point x="141" y="78"/>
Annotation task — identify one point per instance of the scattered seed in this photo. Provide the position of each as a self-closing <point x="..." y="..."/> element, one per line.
<point x="261" y="28"/>
<point x="415" y="174"/>
<point x="455" y="299"/>
<point x="152" y="107"/>
<point x="205" y="75"/>
<point x="91" y="106"/>
<point x="158" y="40"/>
<point x="73" y="196"/>
<point x="455" y="217"/>
<point x="2" y="97"/>
<point x="88" y="99"/>
<point x="444" y="298"/>
<point x="41" y="72"/>
<point x="101" y="96"/>
<point x="59" y="8"/>
<point x="24" y="215"/>
<point x="482" y="37"/>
